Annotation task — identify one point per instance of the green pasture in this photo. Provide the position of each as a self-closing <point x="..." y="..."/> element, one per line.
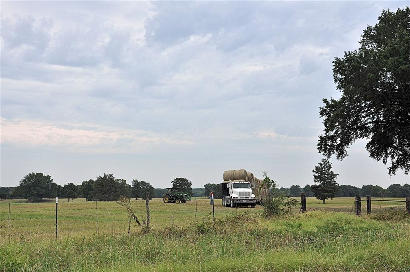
<point x="184" y="237"/>
<point x="33" y="221"/>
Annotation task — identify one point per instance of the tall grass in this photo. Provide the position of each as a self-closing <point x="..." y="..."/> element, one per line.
<point x="316" y="241"/>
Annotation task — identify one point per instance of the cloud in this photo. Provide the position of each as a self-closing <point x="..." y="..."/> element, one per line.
<point x="80" y="137"/>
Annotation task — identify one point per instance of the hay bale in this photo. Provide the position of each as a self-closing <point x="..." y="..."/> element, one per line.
<point x="240" y="174"/>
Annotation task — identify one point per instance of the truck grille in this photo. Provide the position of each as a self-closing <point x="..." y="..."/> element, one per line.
<point x="244" y="194"/>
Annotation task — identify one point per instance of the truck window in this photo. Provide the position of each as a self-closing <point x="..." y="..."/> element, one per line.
<point x="241" y="185"/>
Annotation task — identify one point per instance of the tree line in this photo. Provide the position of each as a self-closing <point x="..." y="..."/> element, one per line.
<point x="37" y="186"/>
<point x="394" y="190"/>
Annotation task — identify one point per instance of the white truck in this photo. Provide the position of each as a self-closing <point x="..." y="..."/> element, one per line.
<point x="237" y="189"/>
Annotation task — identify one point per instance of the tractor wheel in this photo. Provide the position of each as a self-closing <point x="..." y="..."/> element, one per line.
<point x="165" y="199"/>
<point x="183" y="201"/>
<point x="178" y="201"/>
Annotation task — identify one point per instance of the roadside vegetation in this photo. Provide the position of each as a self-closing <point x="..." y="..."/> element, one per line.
<point x="180" y="240"/>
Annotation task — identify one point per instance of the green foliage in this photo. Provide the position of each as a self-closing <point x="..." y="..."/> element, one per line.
<point x="275" y="203"/>
<point x="87" y="189"/>
<point x="307" y="190"/>
<point x="36" y="186"/>
<point x="375" y="102"/>
<point x="183" y="185"/>
<point x="325" y="181"/>
<point x="142" y="189"/>
<point x="70" y="190"/>
<point x="215" y="188"/>
<point x="295" y="190"/>
<point x="108" y="188"/>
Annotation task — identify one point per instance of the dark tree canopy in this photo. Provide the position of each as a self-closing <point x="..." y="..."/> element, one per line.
<point x="182" y="184"/>
<point x="108" y="188"/>
<point x="375" y="103"/>
<point x="325" y="181"/>
<point x="36" y="186"/>
<point x="215" y="188"/>
<point x="142" y="189"/>
<point x="70" y="190"/>
<point x="295" y="190"/>
<point x="87" y="189"/>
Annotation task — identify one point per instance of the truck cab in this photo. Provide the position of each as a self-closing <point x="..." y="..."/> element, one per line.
<point x="237" y="193"/>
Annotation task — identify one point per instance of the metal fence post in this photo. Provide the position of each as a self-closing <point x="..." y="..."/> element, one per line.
<point x="56" y="217"/>
<point x="303" y="202"/>
<point x="369" y="204"/>
<point x="358" y="205"/>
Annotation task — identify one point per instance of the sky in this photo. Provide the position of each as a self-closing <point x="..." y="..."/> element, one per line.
<point x="158" y="90"/>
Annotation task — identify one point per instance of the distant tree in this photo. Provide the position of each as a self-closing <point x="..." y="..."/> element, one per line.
<point x="182" y="184"/>
<point x="107" y="188"/>
<point x="372" y="190"/>
<point x="5" y="192"/>
<point x="70" y="191"/>
<point x="348" y="191"/>
<point x="198" y="192"/>
<point x="283" y="191"/>
<point x="87" y="189"/>
<point x="36" y="186"/>
<point x="308" y="191"/>
<point x="159" y="192"/>
<point x="325" y="181"/>
<point x="375" y="101"/>
<point x="215" y="188"/>
<point x="295" y="190"/>
<point x="396" y="190"/>
<point x="140" y="189"/>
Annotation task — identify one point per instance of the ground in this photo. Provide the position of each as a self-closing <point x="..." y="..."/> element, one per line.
<point x="94" y="237"/>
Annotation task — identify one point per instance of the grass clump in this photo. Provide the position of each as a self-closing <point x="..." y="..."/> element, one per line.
<point x="316" y="241"/>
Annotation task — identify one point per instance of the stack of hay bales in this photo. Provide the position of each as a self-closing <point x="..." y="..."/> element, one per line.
<point x="258" y="187"/>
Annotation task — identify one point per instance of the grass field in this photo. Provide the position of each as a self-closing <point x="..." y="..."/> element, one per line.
<point x="185" y="238"/>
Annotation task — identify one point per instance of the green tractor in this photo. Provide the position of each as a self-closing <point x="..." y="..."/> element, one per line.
<point x="175" y="195"/>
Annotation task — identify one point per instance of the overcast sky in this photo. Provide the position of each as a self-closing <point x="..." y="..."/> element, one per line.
<point x="160" y="90"/>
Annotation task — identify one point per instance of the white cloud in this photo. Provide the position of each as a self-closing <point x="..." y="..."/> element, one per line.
<point x="80" y="137"/>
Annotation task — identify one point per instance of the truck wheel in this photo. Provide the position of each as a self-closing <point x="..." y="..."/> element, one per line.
<point x="177" y="201"/>
<point x="165" y="199"/>
<point x="223" y="202"/>
<point x="232" y="204"/>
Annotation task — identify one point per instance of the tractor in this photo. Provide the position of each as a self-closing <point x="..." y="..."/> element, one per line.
<point x="175" y="195"/>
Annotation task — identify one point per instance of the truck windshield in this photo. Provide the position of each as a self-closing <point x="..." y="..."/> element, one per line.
<point x="241" y="185"/>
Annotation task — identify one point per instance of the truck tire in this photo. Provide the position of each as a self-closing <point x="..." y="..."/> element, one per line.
<point x="232" y="204"/>
<point x="223" y="202"/>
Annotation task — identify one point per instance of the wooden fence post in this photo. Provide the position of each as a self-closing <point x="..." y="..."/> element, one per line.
<point x="303" y="202"/>
<point x="358" y="205"/>
<point x="369" y="204"/>
<point x="408" y="204"/>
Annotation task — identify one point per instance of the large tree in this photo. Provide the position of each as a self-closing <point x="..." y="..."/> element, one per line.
<point x="87" y="189"/>
<point x="70" y="190"/>
<point x="182" y="184"/>
<point x="108" y="188"/>
<point x="374" y="81"/>
<point x="325" y="181"/>
<point x="36" y="186"/>
<point x="142" y="189"/>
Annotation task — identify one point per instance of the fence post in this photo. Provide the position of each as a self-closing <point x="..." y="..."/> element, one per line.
<point x="408" y="204"/>
<point x="358" y="205"/>
<point x="303" y="202"/>
<point x="56" y="217"/>
<point x="369" y="204"/>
